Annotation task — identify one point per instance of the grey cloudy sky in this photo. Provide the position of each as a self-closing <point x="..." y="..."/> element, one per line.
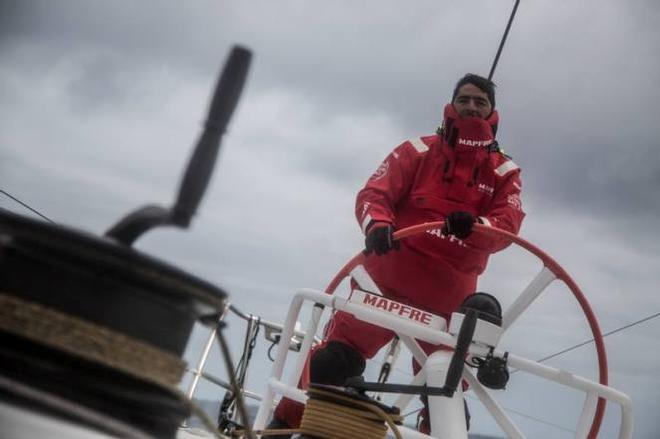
<point x="101" y="102"/>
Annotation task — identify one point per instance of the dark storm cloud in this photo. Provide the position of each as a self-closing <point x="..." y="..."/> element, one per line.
<point x="576" y="100"/>
<point x="343" y="54"/>
<point x="585" y="125"/>
<point x="144" y="31"/>
<point x="108" y="49"/>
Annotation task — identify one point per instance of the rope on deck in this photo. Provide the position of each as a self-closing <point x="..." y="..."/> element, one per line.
<point x="331" y="415"/>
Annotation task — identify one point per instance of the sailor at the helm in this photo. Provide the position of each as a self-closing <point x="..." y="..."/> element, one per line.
<point x="460" y="175"/>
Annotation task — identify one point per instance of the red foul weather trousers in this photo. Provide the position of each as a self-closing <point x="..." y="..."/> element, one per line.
<point x="343" y="327"/>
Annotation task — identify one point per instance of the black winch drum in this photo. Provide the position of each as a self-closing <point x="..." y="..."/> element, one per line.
<point x="118" y="292"/>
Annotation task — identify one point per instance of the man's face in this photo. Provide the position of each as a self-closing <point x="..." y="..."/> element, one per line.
<point x="471" y="101"/>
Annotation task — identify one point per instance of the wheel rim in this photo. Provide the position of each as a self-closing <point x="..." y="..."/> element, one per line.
<point x="548" y="262"/>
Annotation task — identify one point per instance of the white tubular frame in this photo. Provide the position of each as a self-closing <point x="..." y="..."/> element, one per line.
<point x="198" y="371"/>
<point x="307" y="343"/>
<point x="591" y="388"/>
<point x="276" y="386"/>
<point x="364" y="281"/>
<point x="446" y="413"/>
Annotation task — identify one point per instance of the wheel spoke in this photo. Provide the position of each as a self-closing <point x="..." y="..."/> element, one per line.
<point x="529" y="294"/>
<point x="404" y="399"/>
<point x="364" y="281"/>
<point x="502" y="419"/>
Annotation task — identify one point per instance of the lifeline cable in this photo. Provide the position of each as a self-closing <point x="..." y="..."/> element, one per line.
<point x="530" y="417"/>
<point x="614" y="331"/>
<point x="506" y="33"/>
<point x="556" y="354"/>
<point x="240" y="404"/>
<point x="252" y="332"/>
<point x="584" y="343"/>
<point x="228" y="405"/>
<point x="26" y="206"/>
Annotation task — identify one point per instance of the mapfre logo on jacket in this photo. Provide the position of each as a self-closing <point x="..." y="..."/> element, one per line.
<point x="474" y="143"/>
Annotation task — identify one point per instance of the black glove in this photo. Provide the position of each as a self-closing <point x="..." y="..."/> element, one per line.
<point x="379" y="239"/>
<point x="459" y="224"/>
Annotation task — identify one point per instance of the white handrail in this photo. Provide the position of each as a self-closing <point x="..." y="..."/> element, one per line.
<point x="411" y="329"/>
<point x="198" y="371"/>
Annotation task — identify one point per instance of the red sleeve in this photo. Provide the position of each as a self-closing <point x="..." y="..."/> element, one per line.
<point x="391" y="181"/>
<point x="505" y="211"/>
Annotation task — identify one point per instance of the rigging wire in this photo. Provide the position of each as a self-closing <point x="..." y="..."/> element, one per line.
<point x="26" y="206"/>
<point x="630" y="325"/>
<point x="563" y="351"/>
<point x="228" y="404"/>
<point x="576" y="346"/>
<point x="240" y="404"/>
<point x="250" y="342"/>
<point x="521" y="414"/>
<point x="506" y="33"/>
<point x="508" y="409"/>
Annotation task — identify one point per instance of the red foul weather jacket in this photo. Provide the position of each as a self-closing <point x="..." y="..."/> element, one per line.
<point x="423" y="180"/>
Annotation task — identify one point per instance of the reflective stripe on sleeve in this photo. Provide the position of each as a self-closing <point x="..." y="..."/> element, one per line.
<point x="419" y="145"/>
<point x="365" y="223"/>
<point x="505" y="168"/>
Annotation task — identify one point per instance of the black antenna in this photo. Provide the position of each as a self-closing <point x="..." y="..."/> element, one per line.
<point x="506" y="33"/>
<point x="201" y="164"/>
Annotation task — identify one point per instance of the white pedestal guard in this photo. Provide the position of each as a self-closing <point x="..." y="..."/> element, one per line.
<point x="447" y="416"/>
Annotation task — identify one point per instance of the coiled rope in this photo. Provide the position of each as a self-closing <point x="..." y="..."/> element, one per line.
<point x="332" y="415"/>
<point x="90" y="341"/>
<point x="97" y="344"/>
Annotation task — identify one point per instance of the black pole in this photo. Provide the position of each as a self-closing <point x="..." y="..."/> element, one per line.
<point x="463" y="340"/>
<point x="506" y="33"/>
